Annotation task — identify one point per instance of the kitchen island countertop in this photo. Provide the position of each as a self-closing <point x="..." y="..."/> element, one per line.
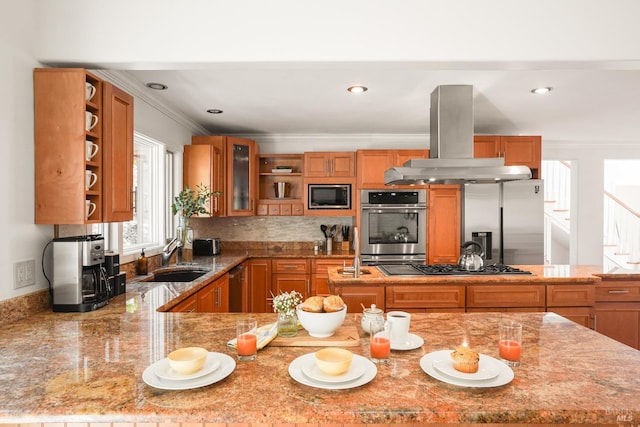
<point x="87" y="367"/>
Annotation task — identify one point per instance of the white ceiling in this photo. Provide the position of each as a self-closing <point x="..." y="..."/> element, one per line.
<point x="586" y="103"/>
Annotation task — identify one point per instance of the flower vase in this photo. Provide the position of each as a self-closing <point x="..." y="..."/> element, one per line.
<point x="287" y="325"/>
<point x="184" y="233"/>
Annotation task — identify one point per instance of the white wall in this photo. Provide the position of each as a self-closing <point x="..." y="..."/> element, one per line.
<point x="21" y="238"/>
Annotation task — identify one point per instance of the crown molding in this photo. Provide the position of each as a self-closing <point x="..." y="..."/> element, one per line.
<point x="132" y="86"/>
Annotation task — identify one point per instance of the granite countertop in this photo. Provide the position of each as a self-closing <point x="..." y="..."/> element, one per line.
<point x="541" y="274"/>
<point x="87" y="367"/>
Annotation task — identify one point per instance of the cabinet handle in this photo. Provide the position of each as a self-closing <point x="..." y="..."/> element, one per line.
<point x="289" y="266"/>
<point x="218" y="297"/>
<point x="616" y="291"/>
<point x="215" y="204"/>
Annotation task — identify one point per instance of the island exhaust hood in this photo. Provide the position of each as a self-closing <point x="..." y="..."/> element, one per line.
<point x="451" y="152"/>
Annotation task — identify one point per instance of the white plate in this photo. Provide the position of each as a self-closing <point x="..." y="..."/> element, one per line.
<point x="164" y="371"/>
<point x="227" y="366"/>
<point x="355" y="371"/>
<point x="488" y="368"/>
<point x="505" y="373"/>
<point x="296" y="367"/>
<point x="413" y="342"/>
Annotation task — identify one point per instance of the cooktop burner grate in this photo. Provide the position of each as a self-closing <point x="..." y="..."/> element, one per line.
<point x="454" y="270"/>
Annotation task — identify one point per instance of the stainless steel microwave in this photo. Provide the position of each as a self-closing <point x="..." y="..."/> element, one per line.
<point x="329" y="196"/>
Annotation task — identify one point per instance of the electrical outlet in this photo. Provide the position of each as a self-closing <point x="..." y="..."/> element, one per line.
<point x="24" y="273"/>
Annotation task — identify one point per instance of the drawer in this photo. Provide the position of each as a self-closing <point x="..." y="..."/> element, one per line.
<point x="506" y="296"/>
<point x="320" y="266"/>
<point x="570" y="295"/>
<point x="435" y="296"/>
<point x="291" y="266"/>
<point x="622" y="291"/>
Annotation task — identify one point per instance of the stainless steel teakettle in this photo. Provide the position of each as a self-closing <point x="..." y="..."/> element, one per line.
<point x="471" y="256"/>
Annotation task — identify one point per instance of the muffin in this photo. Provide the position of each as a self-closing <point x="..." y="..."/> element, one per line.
<point x="465" y="360"/>
<point x="332" y="304"/>
<point x="313" y="304"/>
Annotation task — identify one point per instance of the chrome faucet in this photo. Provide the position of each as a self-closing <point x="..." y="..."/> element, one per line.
<point x="356" y="249"/>
<point x="169" y="250"/>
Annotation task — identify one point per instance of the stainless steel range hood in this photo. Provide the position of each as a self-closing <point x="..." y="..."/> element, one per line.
<point x="451" y="152"/>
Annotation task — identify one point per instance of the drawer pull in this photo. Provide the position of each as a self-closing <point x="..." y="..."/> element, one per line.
<point x="621" y="291"/>
<point x="289" y="266"/>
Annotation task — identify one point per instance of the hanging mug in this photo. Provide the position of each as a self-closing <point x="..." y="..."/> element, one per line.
<point x="90" y="179"/>
<point x="91" y="120"/>
<point x="90" y="91"/>
<point x="92" y="150"/>
<point x="91" y="208"/>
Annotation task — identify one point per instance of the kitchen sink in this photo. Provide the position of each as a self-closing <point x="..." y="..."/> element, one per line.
<point x="176" y="276"/>
<point x="351" y="272"/>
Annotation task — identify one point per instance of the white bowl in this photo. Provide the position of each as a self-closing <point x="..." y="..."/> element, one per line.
<point x="321" y="325"/>
<point x="187" y="360"/>
<point x="334" y="360"/>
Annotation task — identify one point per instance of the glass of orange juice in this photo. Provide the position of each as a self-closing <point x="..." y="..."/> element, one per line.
<point x="379" y="341"/>
<point x="246" y="339"/>
<point x="510" y="342"/>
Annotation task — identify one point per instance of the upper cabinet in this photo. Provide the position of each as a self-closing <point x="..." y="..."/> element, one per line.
<point x="83" y="148"/>
<point x="516" y="150"/>
<point x="241" y="176"/>
<point x="330" y="164"/>
<point x="204" y="164"/>
<point x="371" y="164"/>
<point x="444" y="224"/>
<point x="280" y="186"/>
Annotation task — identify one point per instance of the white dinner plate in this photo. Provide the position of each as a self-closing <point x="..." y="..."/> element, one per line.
<point x="355" y="371"/>
<point x="488" y="368"/>
<point x="164" y="371"/>
<point x="227" y="366"/>
<point x="413" y="342"/>
<point x="505" y="373"/>
<point x="296" y="371"/>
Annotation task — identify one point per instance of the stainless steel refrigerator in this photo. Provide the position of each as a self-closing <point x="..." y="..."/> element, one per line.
<point x="507" y="219"/>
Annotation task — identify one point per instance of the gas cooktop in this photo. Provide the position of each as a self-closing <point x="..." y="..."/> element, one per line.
<point x="446" y="270"/>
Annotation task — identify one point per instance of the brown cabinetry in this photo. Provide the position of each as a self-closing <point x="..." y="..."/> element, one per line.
<point x="356" y="296"/>
<point x="575" y="302"/>
<point x="371" y="164"/>
<point x="319" y="273"/>
<point x="242" y="178"/>
<point x="618" y="310"/>
<point x="520" y="297"/>
<point x="258" y="292"/>
<point x="290" y="204"/>
<point x="68" y="125"/>
<point x="329" y="164"/>
<point x="291" y="275"/>
<point x="212" y="298"/>
<point x="204" y="163"/>
<point x="431" y="298"/>
<point x="443" y="236"/>
<point x="516" y="150"/>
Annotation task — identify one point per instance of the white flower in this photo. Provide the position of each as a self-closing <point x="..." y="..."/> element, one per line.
<point x="286" y="302"/>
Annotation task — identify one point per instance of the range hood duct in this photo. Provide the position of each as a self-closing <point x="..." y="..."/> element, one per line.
<point x="451" y="148"/>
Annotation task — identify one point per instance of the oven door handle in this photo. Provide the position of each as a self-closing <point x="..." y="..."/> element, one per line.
<point x="393" y="208"/>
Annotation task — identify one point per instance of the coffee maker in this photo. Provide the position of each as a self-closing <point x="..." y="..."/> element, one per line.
<point x="79" y="280"/>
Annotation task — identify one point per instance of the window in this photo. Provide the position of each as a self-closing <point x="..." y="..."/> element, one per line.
<point x="146" y="229"/>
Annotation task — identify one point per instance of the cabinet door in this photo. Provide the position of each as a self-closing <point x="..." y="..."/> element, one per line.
<point x="211" y="168"/>
<point x="432" y="296"/>
<point x="259" y="286"/>
<point x="291" y="282"/>
<point x="399" y="157"/>
<point x="343" y="164"/>
<point x="189" y="305"/>
<point x="320" y="275"/>
<point x="117" y="154"/>
<point x="370" y="167"/>
<point x="242" y="177"/>
<point x="620" y="321"/>
<point x="570" y="295"/>
<point x="486" y="146"/>
<point x="581" y="315"/>
<point x="316" y="164"/>
<point x="443" y="238"/>
<point x="357" y="296"/>
<point x="521" y="150"/>
<point x="197" y="168"/>
<point x="507" y="296"/>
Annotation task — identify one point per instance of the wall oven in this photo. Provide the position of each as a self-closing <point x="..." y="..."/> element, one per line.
<point x="393" y="226"/>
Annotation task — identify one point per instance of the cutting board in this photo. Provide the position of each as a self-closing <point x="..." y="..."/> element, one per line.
<point x="345" y="336"/>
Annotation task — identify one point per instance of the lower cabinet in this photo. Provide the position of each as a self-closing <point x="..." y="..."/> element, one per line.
<point x="505" y="298"/>
<point x="319" y="273"/>
<point x="575" y="302"/>
<point x="291" y="275"/>
<point x="213" y="298"/>
<point x="426" y="299"/>
<point x="258" y="291"/>
<point x="617" y="310"/>
<point x="357" y="296"/>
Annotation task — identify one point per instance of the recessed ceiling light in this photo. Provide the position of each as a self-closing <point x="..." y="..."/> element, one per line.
<point x="157" y="86"/>
<point x="214" y="111"/>
<point x="540" y="90"/>
<point x="357" y="89"/>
